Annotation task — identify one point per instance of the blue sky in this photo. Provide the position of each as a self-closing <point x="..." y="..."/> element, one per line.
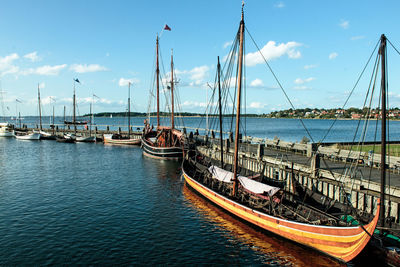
<point x="316" y="48"/>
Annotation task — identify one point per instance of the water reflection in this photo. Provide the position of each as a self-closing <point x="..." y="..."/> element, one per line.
<point x="273" y="250"/>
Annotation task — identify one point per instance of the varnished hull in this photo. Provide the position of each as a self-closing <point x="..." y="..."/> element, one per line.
<point x="131" y="141"/>
<point x="342" y="243"/>
<point x="167" y="153"/>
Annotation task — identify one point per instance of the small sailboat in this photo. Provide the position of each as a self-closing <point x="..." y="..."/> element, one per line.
<point x="118" y="139"/>
<point x="165" y="142"/>
<point x="27" y="136"/>
<point x="268" y="207"/>
<point x="43" y="135"/>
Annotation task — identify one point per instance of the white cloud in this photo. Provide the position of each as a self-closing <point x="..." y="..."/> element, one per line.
<point x="45" y="70"/>
<point x="32" y="56"/>
<point x="257" y="83"/>
<point x="196" y="76"/>
<point x="302" y="88"/>
<point x="359" y="37"/>
<point x="256" y="105"/>
<point x="344" y="24"/>
<point x="194" y="104"/>
<point x="279" y="5"/>
<point x="301" y="81"/>
<point x="83" y="68"/>
<point x="333" y="55"/>
<point x="6" y="64"/>
<point x="310" y="66"/>
<point x="124" y="82"/>
<point x="227" y="44"/>
<point x="271" y="51"/>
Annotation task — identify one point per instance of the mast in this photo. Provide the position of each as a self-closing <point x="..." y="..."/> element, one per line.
<point x="239" y="83"/>
<point x="382" y="51"/>
<point x="158" y="85"/>
<point x="74" y="114"/>
<point x="129" y="109"/>
<point x="90" y="124"/>
<point x="40" y="110"/>
<point x="20" y="123"/>
<point x="220" y="114"/>
<point x="172" y="91"/>
<point x="54" y="126"/>
<point x="64" y="119"/>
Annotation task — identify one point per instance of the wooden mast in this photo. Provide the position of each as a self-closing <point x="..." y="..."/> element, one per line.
<point x="129" y="110"/>
<point x="54" y="126"/>
<point x="239" y="83"/>
<point x="382" y="51"/>
<point x="40" y="110"/>
<point x="220" y="114"/>
<point x="64" y="119"/>
<point x="91" y="116"/>
<point x="172" y="91"/>
<point x="74" y="112"/>
<point x="158" y="85"/>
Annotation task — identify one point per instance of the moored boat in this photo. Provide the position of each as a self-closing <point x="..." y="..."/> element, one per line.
<point x="271" y="208"/>
<point x="165" y="142"/>
<point x="117" y="139"/>
<point x="6" y="130"/>
<point x="29" y="136"/>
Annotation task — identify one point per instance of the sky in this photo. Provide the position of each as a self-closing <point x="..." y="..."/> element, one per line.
<point x="317" y="49"/>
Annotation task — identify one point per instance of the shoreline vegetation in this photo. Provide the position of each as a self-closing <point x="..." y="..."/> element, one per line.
<point x="307" y="113"/>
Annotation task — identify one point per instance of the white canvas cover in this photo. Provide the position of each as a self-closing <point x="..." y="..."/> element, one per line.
<point x="249" y="184"/>
<point x="221" y="174"/>
<point x="257" y="187"/>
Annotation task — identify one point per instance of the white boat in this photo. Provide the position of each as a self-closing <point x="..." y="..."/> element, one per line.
<point x="31" y="136"/>
<point x="87" y="139"/>
<point x="6" y="130"/>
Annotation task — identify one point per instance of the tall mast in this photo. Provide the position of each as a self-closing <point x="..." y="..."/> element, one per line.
<point x="54" y="126"/>
<point x="220" y="114"/>
<point x="129" y="109"/>
<point x="158" y="86"/>
<point x="382" y="51"/>
<point x="91" y="116"/>
<point x="74" y="114"/>
<point x="172" y="91"/>
<point x="40" y="110"/>
<point x="64" y="119"/>
<point x="239" y="83"/>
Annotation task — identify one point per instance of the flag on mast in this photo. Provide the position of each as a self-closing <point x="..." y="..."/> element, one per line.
<point x="167" y="28"/>
<point x="76" y="80"/>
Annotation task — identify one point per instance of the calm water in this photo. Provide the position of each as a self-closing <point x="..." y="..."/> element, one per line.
<point x="92" y="204"/>
<point x="286" y="129"/>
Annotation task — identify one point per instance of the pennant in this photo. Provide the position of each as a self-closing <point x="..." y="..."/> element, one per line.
<point x="76" y="80"/>
<point x="96" y="96"/>
<point x="19" y="101"/>
<point x="8" y="108"/>
<point x="167" y="28"/>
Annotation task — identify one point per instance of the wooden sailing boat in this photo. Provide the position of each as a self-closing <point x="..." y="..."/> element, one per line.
<point x="268" y="207"/>
<point x="166" y="142"/>
<point x="43" y="135"/>
<point x="118" y="139"/>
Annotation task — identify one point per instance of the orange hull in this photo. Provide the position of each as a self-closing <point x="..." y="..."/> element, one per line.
<point x="342" y="243"/>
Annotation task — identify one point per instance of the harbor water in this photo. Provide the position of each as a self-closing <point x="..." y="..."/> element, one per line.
<point x="93" y="204"/>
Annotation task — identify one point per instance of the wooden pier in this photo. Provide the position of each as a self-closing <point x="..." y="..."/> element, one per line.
<point x="326" y="171"/>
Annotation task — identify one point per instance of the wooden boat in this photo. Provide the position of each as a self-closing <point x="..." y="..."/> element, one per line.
<point x="165" y="142"/>
<point x="119" y="139"/>
<point x="44" y="135"/>
<point x="270" y="208"/>
<point x="30" y="136"/>
<point x="64" y="139"/>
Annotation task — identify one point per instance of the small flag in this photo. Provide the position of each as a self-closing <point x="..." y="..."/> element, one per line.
<point x="8" y="107"/>
<point x="18" y="101"/>
<point x="167" y="28"/>
<point x="76" y="80"/>
<point x="96" y="96"/>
